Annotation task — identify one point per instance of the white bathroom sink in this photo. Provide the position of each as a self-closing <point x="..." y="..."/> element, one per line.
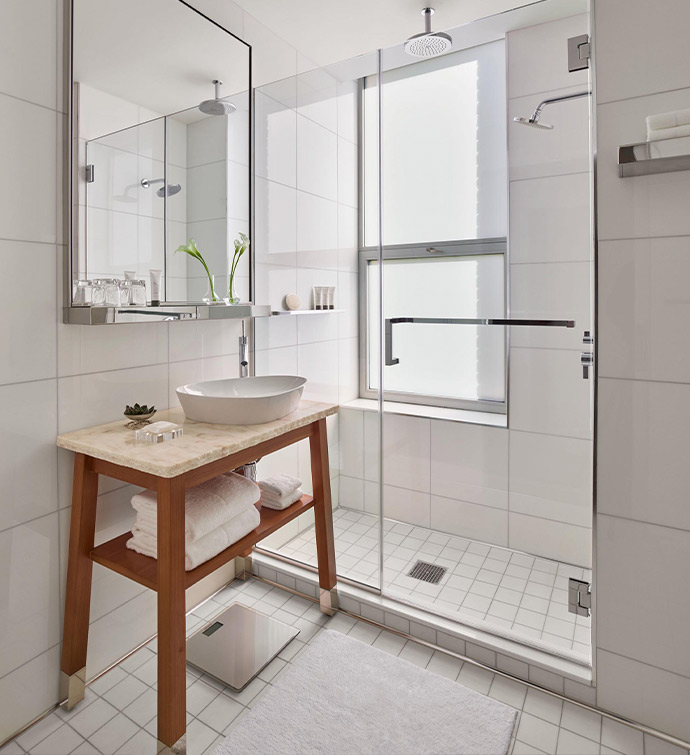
<point x="241" y="401"/>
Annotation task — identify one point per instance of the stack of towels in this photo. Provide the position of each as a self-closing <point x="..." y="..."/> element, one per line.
<point x="280" y="491"/>
<point x="668" y="125"/>
<point x="218" y="513"/>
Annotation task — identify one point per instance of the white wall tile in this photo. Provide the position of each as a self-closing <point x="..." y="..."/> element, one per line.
<point x="550" y="219"/>
<point x="275" y="146"/>
<point x="550" y="539"/>
<point x="319" y="363"/>
<point x="206" y="141"/>
<point x="275" y="332"/>
<point x="347" y="172"/>
<point x="644" y="306"/>
<point x="539" y="56"/>
<point x="372" y="436"/>
<point x="534" y="152"/>
<point x="317" y="93"/>
<point x="319" y="327"/>
<point x="642" y="471"/>
<point x="29" y="275"/>
<point x="348" y="365"/>
<point x="32" y="50"/>
<point x="405" y="505"/>
<point x="317" y="159"/>
<point x="208" y="192"/>
<point x="317" y="232"/>
<point x="105" y="349"/>
<point x="548" y="393"/>
<point x="86" y="400"/>
<point x="490" y="525"/>
<point x="273" y="283"/>
<point x="347" y="110"/>
<point x="551" y="477"/>
<point x="633" y="560"/>
<point x="555" y="291"/>
<point x="407" y="452"/>
<point x="662" y="64"/>
<point x="469" y="463"/>
<point x="276" y="223"/>
<point x="28" y="456"/>
<point x="643" y="693"/>
<point x="351" y="428"/>
<point x="276" y="361"/>
<point x="641" y="206"/>
<point x="30" y="606"/>
<point x="29" y="691"/>
<point x="351" y="493"/>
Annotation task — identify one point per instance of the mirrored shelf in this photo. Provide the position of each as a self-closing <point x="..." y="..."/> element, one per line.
<point x="168" y="312"/>
<point x="281" y="312"/>
<point x="661" y="156"/>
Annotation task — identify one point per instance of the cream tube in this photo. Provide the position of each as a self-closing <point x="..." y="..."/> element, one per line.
<point x="155" y="287"/>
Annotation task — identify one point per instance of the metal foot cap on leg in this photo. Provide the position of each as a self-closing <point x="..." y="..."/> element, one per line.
<point x="328" y="600"/>
<point x="243" y="567"/>
<point x="72" y="687"/>
<point x="179" y="748"/>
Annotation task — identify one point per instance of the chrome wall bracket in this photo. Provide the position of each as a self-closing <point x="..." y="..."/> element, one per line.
<point x="579" y="597"/>
<point x="579" y="52"/>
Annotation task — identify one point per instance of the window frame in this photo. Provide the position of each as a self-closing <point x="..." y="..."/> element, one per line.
<point x="460" y="248"/>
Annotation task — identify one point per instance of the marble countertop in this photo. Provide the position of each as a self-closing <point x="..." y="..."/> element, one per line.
<point x="201" y="443"/>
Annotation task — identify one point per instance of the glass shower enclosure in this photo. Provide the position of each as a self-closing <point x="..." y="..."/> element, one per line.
<point x="462" y="453"/>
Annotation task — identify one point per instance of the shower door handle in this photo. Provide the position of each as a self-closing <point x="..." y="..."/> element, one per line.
<point x="391" y="321"/>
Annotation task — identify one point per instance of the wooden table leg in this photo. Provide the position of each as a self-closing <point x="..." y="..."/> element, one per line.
<point x="171" y="614"/>
<point x="323" y="517"/>
<point x="78" y="590"/>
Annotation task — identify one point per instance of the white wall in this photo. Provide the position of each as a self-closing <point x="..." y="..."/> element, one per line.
<point x="55" y="377"/>
<point x="306" y="235"/>
<point x="643" y="524"/>
<point x="527" y="488"/>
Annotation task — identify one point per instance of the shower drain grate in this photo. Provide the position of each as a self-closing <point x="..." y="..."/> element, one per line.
<point x="427" y="572"/>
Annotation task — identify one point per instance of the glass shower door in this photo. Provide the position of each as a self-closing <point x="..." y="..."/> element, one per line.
<point x="483" y="287"/>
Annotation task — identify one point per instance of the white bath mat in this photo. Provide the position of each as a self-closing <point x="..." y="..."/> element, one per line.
<point x="341" y="696"/>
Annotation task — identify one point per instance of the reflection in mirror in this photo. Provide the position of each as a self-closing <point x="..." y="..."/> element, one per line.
<point x="161" y="137"/>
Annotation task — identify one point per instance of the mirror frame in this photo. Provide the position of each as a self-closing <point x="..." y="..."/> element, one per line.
<point x="90" y="315"/>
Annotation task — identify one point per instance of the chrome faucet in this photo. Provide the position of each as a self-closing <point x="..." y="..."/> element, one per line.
<point x="244" y="354"/>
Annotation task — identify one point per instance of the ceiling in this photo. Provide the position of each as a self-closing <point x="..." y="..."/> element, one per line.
<point x="326" y="31"/>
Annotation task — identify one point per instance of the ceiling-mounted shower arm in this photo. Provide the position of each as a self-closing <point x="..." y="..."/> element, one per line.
<point x="427" y="13"/>
<point x="390" y="360"/>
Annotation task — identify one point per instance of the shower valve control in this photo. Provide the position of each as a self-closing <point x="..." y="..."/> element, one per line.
<point x="586" y="360"/>
<point x="579" y="597"/>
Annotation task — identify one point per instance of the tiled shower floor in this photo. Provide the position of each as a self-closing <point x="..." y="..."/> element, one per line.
<point x="505" y="589"/>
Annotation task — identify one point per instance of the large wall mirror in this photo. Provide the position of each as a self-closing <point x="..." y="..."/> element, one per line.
<point x="160" y="155"/>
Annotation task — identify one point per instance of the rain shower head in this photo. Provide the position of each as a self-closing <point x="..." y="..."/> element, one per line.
<point x="428" y="44"/>
<point x="217" y="106"/>
<point x="533" y="120"/>
<point x="167" y="190"/>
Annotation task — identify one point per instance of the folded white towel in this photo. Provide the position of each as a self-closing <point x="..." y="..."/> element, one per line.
<point x="281" y="502"/>
<point x="206" y="547"/>
<point x="280" y="484"/>
<point x="661" y="121"/>
<point x="207" y="506"/>
<point x="657" y="134"/>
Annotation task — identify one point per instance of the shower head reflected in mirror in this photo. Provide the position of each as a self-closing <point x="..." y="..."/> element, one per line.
<point x="217" y="106"/>
<point x="533" y="120"/>
<point x="170" y="189"/>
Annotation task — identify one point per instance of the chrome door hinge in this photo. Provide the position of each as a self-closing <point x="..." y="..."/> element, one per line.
<point x="579" y="52"/>
<point x="89" y="172"/>
<point x="579" y="597"/>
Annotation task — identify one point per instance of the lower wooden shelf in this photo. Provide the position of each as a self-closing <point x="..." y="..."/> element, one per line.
<point x="115" y="555"/>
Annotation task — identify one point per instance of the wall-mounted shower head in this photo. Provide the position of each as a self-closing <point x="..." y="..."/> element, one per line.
<point x="217" y="106"/>
<point x="170" y="189"/>
<point x="533" y="120"/>
<point x="428" y="43"/>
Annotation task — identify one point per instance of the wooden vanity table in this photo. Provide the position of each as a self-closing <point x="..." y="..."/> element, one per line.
<point x="205" y="451"/>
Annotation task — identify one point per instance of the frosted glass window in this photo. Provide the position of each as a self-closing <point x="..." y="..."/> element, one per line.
<point x="453" y="362"/>
<point x="443" y="128"/>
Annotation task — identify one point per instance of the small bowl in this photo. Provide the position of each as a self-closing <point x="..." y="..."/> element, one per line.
<point x="139" y="420"/>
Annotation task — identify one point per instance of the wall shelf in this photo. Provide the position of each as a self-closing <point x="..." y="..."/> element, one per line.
<point x="282" y="312"/>
<point x="647" y="158"/>
<point x="168" y="311"/>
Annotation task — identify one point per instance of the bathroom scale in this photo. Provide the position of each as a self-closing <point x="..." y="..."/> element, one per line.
<point x="237" y="644"/>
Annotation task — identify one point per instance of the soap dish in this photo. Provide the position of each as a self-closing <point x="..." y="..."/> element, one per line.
<point x="157" y="433"/>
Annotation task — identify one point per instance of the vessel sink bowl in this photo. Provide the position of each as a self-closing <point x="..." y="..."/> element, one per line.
<point x="241" y="401"/>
